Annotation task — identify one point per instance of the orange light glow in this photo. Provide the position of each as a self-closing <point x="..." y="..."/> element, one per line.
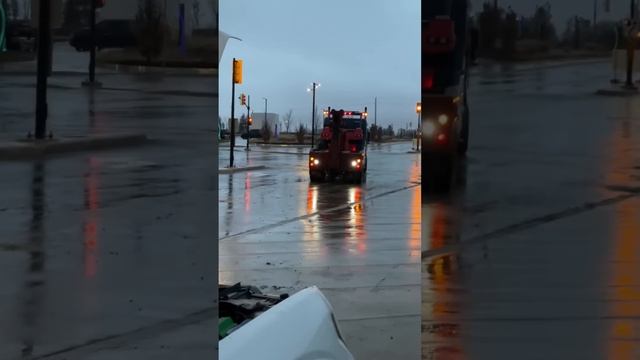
<point x="90" y="226"/>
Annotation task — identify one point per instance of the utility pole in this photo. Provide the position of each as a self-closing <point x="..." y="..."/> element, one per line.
<point x="265" y="112"/>
<point x="44" y="64"/>
<point x="375" y="112"/>
<point x="595" y="13"/>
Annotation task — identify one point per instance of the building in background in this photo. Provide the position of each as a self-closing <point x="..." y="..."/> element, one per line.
<point x="272" y="119"/>
<point x="75" y="15"/>
<point x="198" y="14"/>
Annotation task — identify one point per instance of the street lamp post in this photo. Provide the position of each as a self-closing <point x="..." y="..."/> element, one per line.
<point x="314" y="86"/>
<point x="375" y="112"/>
<point x="418" y="137"/>
<point x="265" y="113"/>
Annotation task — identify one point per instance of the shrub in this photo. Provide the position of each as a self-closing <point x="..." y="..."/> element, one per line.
<point x="300" y="134"/>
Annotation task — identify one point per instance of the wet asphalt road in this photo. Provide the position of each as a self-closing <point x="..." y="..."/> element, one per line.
<point x="359" y="244"/>
<point x="110" y="254"/>
<point x="535" y="255"/>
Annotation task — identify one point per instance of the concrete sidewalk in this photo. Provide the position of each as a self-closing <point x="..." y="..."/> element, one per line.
<point x="26" y="149"/>
<point x="237" y="169"/>
<point x="618" y="90"/>
<point x="192" y="337"/>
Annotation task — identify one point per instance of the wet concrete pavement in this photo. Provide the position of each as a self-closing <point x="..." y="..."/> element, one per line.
<point x="109" y="254"/>
<point x="359" y="244"/>
<point x="536" y="253"/>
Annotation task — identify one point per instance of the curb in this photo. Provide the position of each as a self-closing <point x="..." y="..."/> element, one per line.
<point x="25" y="149"/>
<point x="164" y="92"/>
<point x="545" y="64"/>
<point x="143" y="69"/>
<point x="617" y="93"/>
<point x="240" y="169"/>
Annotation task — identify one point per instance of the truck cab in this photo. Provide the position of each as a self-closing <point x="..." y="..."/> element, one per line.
<point x="342" y="149"/>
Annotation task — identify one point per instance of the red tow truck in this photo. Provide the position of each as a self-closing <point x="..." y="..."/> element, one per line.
<point x="342" y="149"/>
<point x="446" y="58"/>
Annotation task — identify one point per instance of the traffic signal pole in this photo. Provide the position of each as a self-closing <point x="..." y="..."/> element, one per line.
<point x="44" y="64"/>
<point x="92" y="51"/>
<point x="232" y="131"/>
<point x="248" y="120"/>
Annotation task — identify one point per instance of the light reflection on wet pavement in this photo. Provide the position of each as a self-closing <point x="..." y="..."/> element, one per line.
<point x="536" y="254"/>
<point x="359" y="244"/>
<point x="102" y="251"/>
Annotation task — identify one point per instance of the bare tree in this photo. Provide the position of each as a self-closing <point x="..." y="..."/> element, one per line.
<point x="286" y="119"/>
<point x="151" y="29"/>
<point x="319" y="120"/>
<point x="300" y="133"/>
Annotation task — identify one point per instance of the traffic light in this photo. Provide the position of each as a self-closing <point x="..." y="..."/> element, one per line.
<point x="243" y="99"/>
<point x="237" y="71"/>
<point x="250" y="120"/>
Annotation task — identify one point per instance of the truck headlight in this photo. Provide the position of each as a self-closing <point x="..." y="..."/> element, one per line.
<point x="354" y="163"/>
<point x="429" y="128"/>
<point x="443" y="119"/>
<point x="316" y="162"/>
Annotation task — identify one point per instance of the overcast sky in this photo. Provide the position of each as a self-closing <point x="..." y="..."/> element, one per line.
<point x="356" y="50"/>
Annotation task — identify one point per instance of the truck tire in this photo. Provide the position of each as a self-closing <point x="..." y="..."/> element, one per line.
<point x="437" y="172"/>
<point x="463" y="144"/>
<point x="316" y="177"/>
<point x="360" y="178"/>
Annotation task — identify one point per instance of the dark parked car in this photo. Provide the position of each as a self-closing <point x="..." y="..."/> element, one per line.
<point x="109" y="34"/>
<point x="253" y="134"/>
<point x="20" y="35"/>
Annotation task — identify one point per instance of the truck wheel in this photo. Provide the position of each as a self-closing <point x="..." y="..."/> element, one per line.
<point x="463" y="144"/>
<point x="316" y="177"/>
<point x="437" y="172"/>
<point x="359" y="178"/>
